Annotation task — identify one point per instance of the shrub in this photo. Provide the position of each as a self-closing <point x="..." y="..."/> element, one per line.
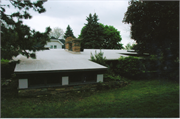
<point x="112" y="77"/>
<point x="98" y="58"/>
<point x="130" y="67"/>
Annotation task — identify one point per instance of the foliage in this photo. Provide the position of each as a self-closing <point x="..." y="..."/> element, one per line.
<point x="140" y="99"/>
<point x="98" y="58"/>
<point x="111" y="37"/>
<point x="95" y="35"/>
<point x="69" y="32"/>
<point x="156" y="33"/>
<point x="154" y="30"/>
<point x="112" y="77"/>
<point x="130" y="67"/>
<point x="92" y="33"/>
<point x="129" y="46"/>
<point x="7" y="68"/>
<point x="4" y="60"/>
<point x="16" y="37"/>
<point x="56" y="33"/>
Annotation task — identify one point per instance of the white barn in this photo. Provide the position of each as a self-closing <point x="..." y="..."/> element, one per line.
<point x="54" y="44"/>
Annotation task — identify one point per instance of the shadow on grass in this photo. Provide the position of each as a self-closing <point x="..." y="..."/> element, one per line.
<point x="152" y="98"/>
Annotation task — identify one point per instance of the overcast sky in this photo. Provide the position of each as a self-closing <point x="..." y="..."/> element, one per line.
<point x="61" y="13"/>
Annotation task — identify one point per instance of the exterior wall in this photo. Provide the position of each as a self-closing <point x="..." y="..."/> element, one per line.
<point x="23" y="83"/>
<point x="62" y="91"/>
<point x="59" y="46"/>
<point x="67" y="46"/>
<point x="100" y="77"/>
<point x="75" y="44"/>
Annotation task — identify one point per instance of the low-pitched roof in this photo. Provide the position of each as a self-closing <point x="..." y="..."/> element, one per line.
<point x="62" y="60"/>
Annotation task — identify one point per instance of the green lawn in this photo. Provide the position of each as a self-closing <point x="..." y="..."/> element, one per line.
<point x="144" y="98"/>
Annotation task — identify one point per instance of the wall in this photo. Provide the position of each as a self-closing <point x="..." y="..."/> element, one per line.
<point x="59" y="46"/>
<point x="64" y="89"/>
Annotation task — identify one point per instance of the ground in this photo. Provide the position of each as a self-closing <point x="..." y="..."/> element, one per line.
<point x="142" y="98"/>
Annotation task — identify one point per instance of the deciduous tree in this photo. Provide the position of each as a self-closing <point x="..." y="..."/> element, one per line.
<point x="155" y="28"/>
<point x="111" y="38"/>
<point x="16" y="37"/>
<point x="56" y="32"/>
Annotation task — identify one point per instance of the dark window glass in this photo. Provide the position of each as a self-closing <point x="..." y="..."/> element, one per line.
<point x="54" y="79"/>
<point x="75" y="78"/>
<point x="37" y="79"/>
<point x="91" y="77"/>
<point x="82" y="78"/>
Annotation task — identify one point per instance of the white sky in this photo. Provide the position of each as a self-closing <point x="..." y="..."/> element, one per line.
<point x="61" y="13"/>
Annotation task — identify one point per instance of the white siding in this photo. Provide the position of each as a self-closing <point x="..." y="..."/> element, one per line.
<point x="59" y="46"/>
<point x="65" y="80"/>
<point x="23" y="83"/>
<point x="99" y="77"/>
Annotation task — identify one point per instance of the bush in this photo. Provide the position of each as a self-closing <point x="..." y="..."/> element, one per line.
<point x="130" y="67"/>
<point x="112" y="77"/>
<point x="98" y="58"/>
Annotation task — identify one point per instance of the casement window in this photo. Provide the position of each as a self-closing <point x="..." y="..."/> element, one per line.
<point x="55" y="46"/>
<point x="51" y="46"/>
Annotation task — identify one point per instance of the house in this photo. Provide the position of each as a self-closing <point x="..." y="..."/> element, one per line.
<point x="59" y="67"/>
<point x="63" y="41"/>
<point x="56" y="68"/>
<point x="54" y="44"/>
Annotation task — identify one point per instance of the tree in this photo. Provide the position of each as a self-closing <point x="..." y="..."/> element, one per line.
<point x="69" y="32"/>
<point x="129" y="46"/>
<point x="92" y="33"/>
<point x="98" y="36"/>
<point x="111" y="38"/>
<point x="17" y="38"/>
<point x="56" y="32"/>
<point x="155" y="28"/>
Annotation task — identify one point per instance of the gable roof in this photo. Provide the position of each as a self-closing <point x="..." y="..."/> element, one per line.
<point x="56" y="40"/>
<point x="62" y="40"/>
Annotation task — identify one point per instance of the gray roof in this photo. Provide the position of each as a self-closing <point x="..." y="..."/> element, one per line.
<point x="62" y="60"/>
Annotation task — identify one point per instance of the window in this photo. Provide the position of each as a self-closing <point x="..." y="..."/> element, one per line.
<point x="43" y="80"/>
<point x="54" y="79"/>
<point x="75" y="78"/>
<point x="51" y="47"/>
<point x="55" y="46"/>
<point x="36" y="80"/>
<point x="82" y="78"/>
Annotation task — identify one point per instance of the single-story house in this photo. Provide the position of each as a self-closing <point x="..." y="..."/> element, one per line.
<point x="59" y="67"/>
<point x="54" y="44"/>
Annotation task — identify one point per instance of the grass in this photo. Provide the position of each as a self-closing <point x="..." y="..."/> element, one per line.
<point x="143" y="98"/>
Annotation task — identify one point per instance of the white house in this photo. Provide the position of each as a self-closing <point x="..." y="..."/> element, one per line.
<point x="54" y="44"/>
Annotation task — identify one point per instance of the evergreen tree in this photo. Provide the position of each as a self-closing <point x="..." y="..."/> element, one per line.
<point x="95" y="35"/>
<point x="69" y="32"/>
<point x="17" y="38"/>
<point x="92" y="33"/>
